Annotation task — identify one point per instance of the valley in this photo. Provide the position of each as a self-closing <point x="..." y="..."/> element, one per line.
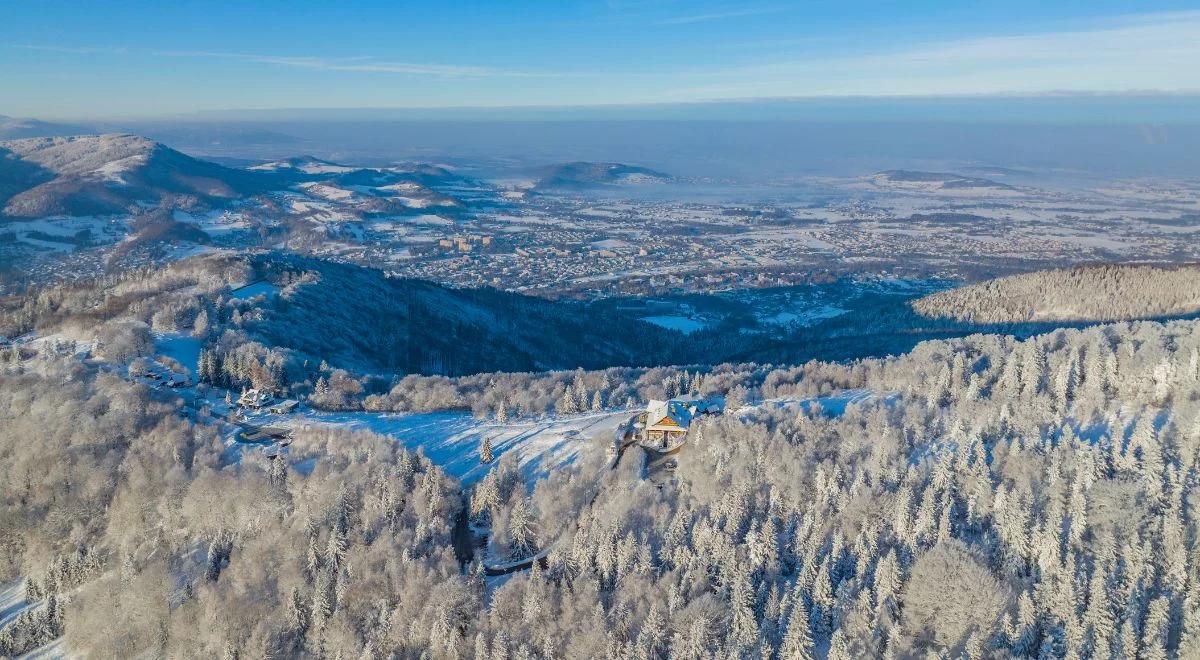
<point x="622" y="236"/>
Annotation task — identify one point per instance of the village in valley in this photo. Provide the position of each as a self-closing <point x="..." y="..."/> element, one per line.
<point x="638" y="240"/>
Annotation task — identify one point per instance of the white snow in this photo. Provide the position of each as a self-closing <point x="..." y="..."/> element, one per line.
<point x="180" y="347"/>
<point x="639" y="179"/>
<point x="326" y="191"/>
<point x="115" y="170"/>
<point x="308" y="167"/>
<point x="451" y="439"/>
<point x="681" y="323"/>
<point x="805" y="317"/>
<point x="12" y="601"/>
<point x="832" y="404"/>
<point x="51" y="650"/>
<point x="254" y="290"/>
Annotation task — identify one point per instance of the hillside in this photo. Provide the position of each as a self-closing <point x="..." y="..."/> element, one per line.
<point x="381" y="191"/>
<point x="978" y="498"/>
<point x="104" y="174"/>
<point x="580" y="175"/>
<point x="357" y="318"/>
<point x="1087" y="293"/>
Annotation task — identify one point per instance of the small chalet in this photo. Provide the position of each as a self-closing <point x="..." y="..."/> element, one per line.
<point x="254" y="398"/>
<point x="666" y="423"/>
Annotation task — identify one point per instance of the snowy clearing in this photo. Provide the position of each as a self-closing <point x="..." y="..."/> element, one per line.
<point x="451" y="439"/>
<point x="254" y="290"/>
<point x="180" y="347"/>
<point x="681" y="323"/>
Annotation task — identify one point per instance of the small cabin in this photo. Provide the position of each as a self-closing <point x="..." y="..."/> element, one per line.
<point x="254" y="398"/>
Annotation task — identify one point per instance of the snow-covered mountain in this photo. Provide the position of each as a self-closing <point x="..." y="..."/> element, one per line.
<point x="582" y="174"/>
<point x="112" y="174"/>
<point x="378" y="190"/>
<point x="105" y="174"/>
<point x="298" y="165"/>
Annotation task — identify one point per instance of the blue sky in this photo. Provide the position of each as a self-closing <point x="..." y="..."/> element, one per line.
<point x="94" y="59"/>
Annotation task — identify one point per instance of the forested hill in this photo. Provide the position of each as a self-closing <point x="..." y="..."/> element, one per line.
<point x="359" y="318"/>
<point x="1085" y="293"/>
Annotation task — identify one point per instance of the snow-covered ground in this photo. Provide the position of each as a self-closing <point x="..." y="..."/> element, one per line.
<point x="452" y="439"/>
<point x="833" y="404"/>
<point x="180" y="347"/>
<point x="683" y="324"/>
<point x="12" y="604"/>
<point x="12" y="601"/>
<point x="51" y="651"/>
<point x="254" y="290"/>
<point x="804" y="317"/>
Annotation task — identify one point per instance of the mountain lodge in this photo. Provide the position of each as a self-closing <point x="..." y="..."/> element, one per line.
<point x="665" y="424"/>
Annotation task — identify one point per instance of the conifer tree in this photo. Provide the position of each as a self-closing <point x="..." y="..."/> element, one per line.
<point x="797" y="641"/>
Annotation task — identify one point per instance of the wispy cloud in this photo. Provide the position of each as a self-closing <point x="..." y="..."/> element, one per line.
<point x="365" y="64"/>
<point x="1148" y="52"/>
<point x="1145" y="52"/>
<point x="720" y="15"/>
<point x="360" y="64"/>
<point x="69" y="50"/>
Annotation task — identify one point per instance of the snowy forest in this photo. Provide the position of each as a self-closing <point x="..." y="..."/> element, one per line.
<point x="601" y="330"/>
<point x="1081" y="293"/>
<point x="994" y="498"/>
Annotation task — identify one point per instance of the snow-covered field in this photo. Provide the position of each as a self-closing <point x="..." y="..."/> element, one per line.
<point x="804" y="317"/>
<point x="179" y="347"/>
<point x="452" y="439"/>
<point x="254" y="290"/>
<point x="683" y="324"/>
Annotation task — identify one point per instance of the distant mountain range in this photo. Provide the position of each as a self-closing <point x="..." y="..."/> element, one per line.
<point x="13" y="128"/>
<point x="126" y="174"/>
<point x="582" y="175"/>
